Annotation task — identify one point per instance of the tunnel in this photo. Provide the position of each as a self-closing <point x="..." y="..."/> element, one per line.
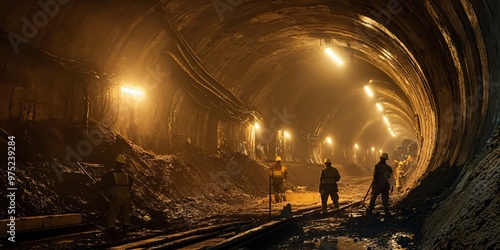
<point x="304" y="80"/>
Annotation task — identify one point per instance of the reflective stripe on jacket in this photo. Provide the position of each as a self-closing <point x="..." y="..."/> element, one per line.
<point x="121" y="179"/>
<point x="279" y="172"/>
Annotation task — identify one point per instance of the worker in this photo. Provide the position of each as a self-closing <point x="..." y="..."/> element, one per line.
<point x="279" y="174"/>
<point x="118" y="184"/>
<point x="381" y="184"/>
<point x="328" y="185"/>
<point x="400" y="168"/>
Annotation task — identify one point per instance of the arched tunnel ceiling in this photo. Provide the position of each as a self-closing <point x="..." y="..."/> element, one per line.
<point x="280" y="60"/>
<point x="425" y="59"/>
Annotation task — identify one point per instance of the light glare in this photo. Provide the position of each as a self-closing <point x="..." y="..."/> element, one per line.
<point x="256" y="126"/>
<point x="287" y="135"/>
<point x="329" y="140"/>
<point x="379" y="106"/>
<point x="132" y="91"/>
<point x="334" y="56"/>
<point x="368" y="91"/>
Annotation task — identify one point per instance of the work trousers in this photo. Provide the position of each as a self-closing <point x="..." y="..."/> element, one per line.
<point x="119" y="203"/>
<point x="380" y="189"/>
<point x="277" y="188"/>
<point x="329" y="190"/>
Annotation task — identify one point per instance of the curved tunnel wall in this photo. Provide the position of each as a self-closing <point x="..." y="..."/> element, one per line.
<point x="267" y="66"/>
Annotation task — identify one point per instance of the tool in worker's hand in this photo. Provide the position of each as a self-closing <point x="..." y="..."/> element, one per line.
<point x="367" y="192"/>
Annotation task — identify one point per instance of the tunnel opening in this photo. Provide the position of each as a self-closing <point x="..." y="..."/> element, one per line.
<point x="255" y="80"/>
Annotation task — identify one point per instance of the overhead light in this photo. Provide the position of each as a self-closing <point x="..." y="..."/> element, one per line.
<point x="334" y="56"/>
<point x="368" y="91"/>
<point x="379" y="106"/>
<point x="256" y="125"/>
<point x="387" y="121"/>
<point x="373" y="149"/>
<point x="287" y="135"/>
<point x="393" y="134"/>
<point x="356" y="146"/>
<point x="329" y="140"/>
<point x="133" y="91"/>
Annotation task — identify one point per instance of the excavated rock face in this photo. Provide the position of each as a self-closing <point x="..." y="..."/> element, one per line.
<point x="211" y="69"/>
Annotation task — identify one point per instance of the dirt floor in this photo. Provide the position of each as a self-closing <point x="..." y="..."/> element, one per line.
<point x="191" y="189"/>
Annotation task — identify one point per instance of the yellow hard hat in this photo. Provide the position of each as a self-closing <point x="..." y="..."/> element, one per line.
<point x="327" y="160"/>
<point x="278" y="158"/>
<point x="384" y="156"/>
<point x="121" y="159"/>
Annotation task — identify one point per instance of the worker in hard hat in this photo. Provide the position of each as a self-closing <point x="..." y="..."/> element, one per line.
<point x="381" y="184"/>
<point x="400" y="168"/>
<point x="279" y="174"/>
<point x="118" y="184"/>
<point x="328" y="185"/>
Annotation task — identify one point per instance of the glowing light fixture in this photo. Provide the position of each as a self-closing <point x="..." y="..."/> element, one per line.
<point x="133" y="91"/>
<point x="329" y="140"/>
<point x="256" y="126"/>
<point x="380" y="151"/>
<point x="379" y="106"/>
<point x="393" y="134"/>
<point x="356" y="146"/>
<point x="287" y="135"/>
<point x="373" y="149"/>
<point x="369" y="91"/>
<point x="334" y="56"/>
<point x="387" y="121"/>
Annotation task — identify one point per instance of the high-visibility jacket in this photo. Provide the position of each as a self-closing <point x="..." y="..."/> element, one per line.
<point x="121" y="179"/>
<point x="116" y="179"/>
<point x="279" y="171"/>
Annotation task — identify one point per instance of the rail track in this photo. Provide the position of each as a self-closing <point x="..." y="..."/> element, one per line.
<point x="230" y="235"/>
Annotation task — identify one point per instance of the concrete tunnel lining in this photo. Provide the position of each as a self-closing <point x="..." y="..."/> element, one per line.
<point x="434" y="64"/>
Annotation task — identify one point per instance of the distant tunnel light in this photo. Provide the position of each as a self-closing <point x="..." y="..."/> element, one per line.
<point x="287" y="135"/>
<point x="373" y="149"/>
<point x="256" y="126"/>
<point x="334" y="56"/>
<point x="132" y="91"/>
<point x="393" y="134"/>
<point x="387" y="121"/>
<point x="329" y="140"/>
<point x="369" y="91"/>
<point x="379" y="106"/>
<point x="356" y="146"/>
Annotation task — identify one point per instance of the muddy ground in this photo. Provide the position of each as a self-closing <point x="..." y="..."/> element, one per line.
<point x="191" y="189"/>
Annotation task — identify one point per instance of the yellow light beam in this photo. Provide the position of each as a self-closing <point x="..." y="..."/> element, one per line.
<point x="334" y="56"/>
<point x="132" y="91"/>
<point x="369" y="91"/>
